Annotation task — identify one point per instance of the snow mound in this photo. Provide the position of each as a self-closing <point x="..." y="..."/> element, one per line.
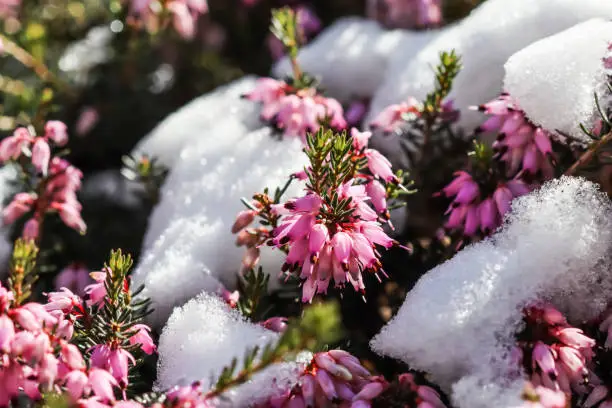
<point x="553" y="246"/>
<point x="485" y="40"/>
<point x="351" y="56"/>
<point x="554" y="80"/>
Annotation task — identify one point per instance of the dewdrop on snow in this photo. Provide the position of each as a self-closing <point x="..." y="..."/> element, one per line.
<point x="485" y="39"/>
<point x="554" y="80"/>
<point x="553" y="246"/>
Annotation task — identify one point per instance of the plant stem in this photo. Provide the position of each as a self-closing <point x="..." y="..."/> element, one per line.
<point x="39" y="68"/>
<point x="587" y="156"/>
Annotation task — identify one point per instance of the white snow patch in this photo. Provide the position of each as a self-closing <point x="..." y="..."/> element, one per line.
<point x="459" y="320"/>
<point x="351" y="56"/>
<point x="203" y="336"/>
<point x="554" y="80"/>
<point x="485" y="40"/>
<point x="196" y="121"/>
<point x="188" y="247"/>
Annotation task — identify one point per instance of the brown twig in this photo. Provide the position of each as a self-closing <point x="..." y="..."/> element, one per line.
<point x="587" y="156"/>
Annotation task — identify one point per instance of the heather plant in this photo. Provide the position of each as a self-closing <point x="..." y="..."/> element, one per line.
<point x="401" y="212"/>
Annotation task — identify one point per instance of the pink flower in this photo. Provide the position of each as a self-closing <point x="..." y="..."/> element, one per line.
<point x="471" y="212"/>
<point x="276" y="324"/>
<point x="71" y="356"/>
<point x="243" y="219"/>
<point x="294" y="111"/>
<point x="409" y="13"/>
<point x="63" y="300"/>
<point x="31" y="229"/>
<point x="331" y="376"/>
<point x="380" y="166"/>
<point x="96" y="291"/>
<point x="118" y="361"/>
<point x="41" y="154"/>
<point x="74" y="277"/>
<point x="393" y="115"/>
<point x="21" y="204"/>
<point x="70" y="215"/>
<point x="520" y="144"/>
<point x="554" y="354"/>
<point x="57" y="131"/>
<point x="102" y="382"/>
<point x="143" y="338"/>
<point x="87" y="120"/>
<point x="12" y="146"/>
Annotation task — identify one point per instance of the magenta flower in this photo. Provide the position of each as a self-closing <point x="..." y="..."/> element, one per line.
<point x="60" y="179"/>
<point x="331" y="376"/>
<point x="393" y="115"/>
<point x="322" y="249"/>
<point x="296" y="111"/>
<point x="74" y="277"/>
<point x="188" y="396"/>
<point x="276" y="324"/>
<point x="520" y="144"/>
<point x="184" y="15"/>
<point x="554" y="354"/>
<point x="63" y="300"/>
<point x="96" y="291"/>
<point x="471" y="212"/>
<point x="406" y="13"/>
<point x="143" y="338"/>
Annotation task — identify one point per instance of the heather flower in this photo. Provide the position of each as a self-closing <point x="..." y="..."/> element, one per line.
<point x="74" y="277"/>
<point x="87" y="120"/>
<point x="331" y="376"/>
<point x="355" y="113"/>
<point x="296" y="111"/>
<point x="471" y="212"/>
<point x="406" y="13"/>
<point x="412" y="390"/>
<point x="393" y="115"/>
<point x="188" y="396"/>
<point x="231" y="298"/>
<point x="276" y="324"/>
<point x="184" y="15"/>
<point x="143" y="338"/>
<point x="553" y="353"/>
<point x="63" y="300"/>
<point x="60" y="179"/>
<point x="520" y="144"/>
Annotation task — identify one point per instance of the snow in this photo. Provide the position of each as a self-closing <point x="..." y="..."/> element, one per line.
<point x="554" y="80"/>
<point x="458" y="323"/>
<point x="203" y="336"/>
<point x="352" y="54"/>
<point x="188" y="247"/>
<point x="485" y="40"/>
<point x="196" y="121"/>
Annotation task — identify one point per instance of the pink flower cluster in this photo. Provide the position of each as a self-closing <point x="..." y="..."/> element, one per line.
<point x="331" y="376"/>
<point x="394" y="115"/>
<point x="471" y="211"/>
<point x="520" y="144"/>
<point x="554" y="353"/>
<point x="37" y="355"/>
<point x="57" y="180"/>
<point x="406" y="13"/>
<point x="184" y="13"/>
<point x="296" y="111"/>
<point x="321" y="244"/>
<point x="188" y="396"/>
<point x="411" y="392"/>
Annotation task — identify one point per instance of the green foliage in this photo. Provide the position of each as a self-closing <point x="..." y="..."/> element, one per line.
<point x="253" y="287"/>
<point x="23" y="272"/>
<point x="146" y="171"/>
<point x="285" y="27"/>
<point x="319" y="326"/>
<point x="111" y="322"/>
